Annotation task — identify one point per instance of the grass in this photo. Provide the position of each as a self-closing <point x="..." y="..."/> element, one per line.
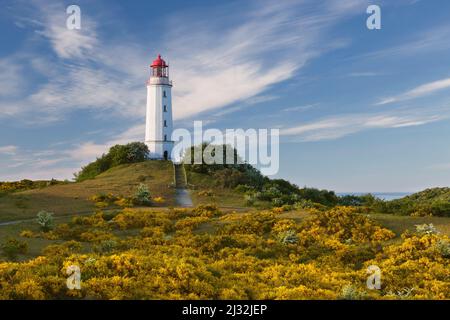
<point x="35" y="245"/>
<point x="222" y="197"/>
<point x="400" y="224"/>
<point x="74" y="197"/>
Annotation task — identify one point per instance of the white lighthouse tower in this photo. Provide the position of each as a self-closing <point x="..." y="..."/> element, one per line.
<point x="158" y="130"/>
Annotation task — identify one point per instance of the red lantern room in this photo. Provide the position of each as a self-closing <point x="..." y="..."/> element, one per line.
<point x="159" y="68"/>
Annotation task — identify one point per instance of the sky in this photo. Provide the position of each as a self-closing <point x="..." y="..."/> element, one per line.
<point x="358" y="110"/>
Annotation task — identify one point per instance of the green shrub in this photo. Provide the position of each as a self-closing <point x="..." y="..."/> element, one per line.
<point x="142" y="195"/>
<point x="277" y="202"/>
<point x="117" y="155"/>
<point x="45" y="220"/>
<point x="13" y="247"/>
<point x="426" y="229"/>
<point x="350" y="292"/>
<point x="249" y="200"/>
<point x="443" y="248"/>
<point x="288" y="237"/>
<point x="106" y="246"/>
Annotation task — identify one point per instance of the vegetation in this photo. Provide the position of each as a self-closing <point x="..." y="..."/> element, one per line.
<point x="205" y="253"/>
<point x="435" y="202"/>
<point x="22" y="185"/>
<point x="119" y="154"/>
<point x="295" y="243"/>
<point x="45" y="220"/>
<point x="142" y="195"/>
<point x="76" y="198"/>
<point x="11" y="248"/>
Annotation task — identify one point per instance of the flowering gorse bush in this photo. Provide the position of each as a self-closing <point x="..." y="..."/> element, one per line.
<point x="204" y="253"/>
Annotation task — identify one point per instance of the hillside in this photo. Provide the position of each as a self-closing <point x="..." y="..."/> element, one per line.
<point x="74" y="197"/>
<point x="434" y="201"/>
<point x="208" y="253"/>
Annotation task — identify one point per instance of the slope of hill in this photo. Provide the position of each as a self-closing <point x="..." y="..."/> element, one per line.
<point x="74" y="197"/>
<point x="434" y="201"/>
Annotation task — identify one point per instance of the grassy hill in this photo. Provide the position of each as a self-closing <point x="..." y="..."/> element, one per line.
<point x="434" y="201"/>
<point x="205" y="190"/>
<point x="74" y="197"/>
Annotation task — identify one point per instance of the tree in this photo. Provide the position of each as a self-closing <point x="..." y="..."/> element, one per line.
<point x="119" y="154"/>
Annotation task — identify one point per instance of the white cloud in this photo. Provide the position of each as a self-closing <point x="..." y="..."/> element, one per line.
<point x="8" y="150"/>
<point x="418" y="92"/>
<point x="10" y="77"/>
<point x="342" y="125"/>
<point x="431" y="40"/>
<point x="211" y="67"/>
<point x="300" y="108"/>
<point x="215" y="68"/>
<point x="67" y="43"/>
<point x="88" y="151"/>
<point x="364" y="74"/>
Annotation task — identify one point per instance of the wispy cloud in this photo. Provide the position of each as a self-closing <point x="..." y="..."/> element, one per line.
<point x="423" y="42"/>
<point x="300" y="108"/>
<point x="8" y="150"/>
<point x="211" y="67"/>
<point x="62" y="160"/>
<point x="267" y="46"/>
<point x="418" y="92"/>
<point x="10" y="78"/>
<point x="364" y="74"/>
<point x="335" y="127"/>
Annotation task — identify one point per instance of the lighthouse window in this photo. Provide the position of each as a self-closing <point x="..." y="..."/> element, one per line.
<point x="165" y="108"/>
<point x="165" y="137"/>
<point x="164" y="94"/>
<point x="165" y="123"/>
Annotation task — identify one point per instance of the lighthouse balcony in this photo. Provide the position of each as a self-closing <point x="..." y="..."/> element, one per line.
<point x="159" y="80"/>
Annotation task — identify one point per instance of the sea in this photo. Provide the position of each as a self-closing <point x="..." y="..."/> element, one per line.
<point x="387" y="196"/>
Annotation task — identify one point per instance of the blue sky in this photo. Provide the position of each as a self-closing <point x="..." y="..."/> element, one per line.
<point x="359" y="110"/>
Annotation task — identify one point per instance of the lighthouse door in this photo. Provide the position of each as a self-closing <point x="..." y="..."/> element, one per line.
<point x="166" y="155"/>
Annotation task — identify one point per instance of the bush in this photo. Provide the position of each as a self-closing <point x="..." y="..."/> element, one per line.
<point x="159" y="200"/>
<point x="206" y="193"/>
<point x="45" y="220"/>
<point x="13" y="247"/>
<point x="277" y="202"/>
<point x="426" y="229"/>
<point x="435" y="202"/>
<point x="27" y="234"/>
<point x="142" y="195"/>
<point x="206" y="210"/>
<point x="443" y="248"/>
<point x="119" y="154"/>
<point x="349" y="292"/>
<point x="288" y="237"/>
<point x="106" y="246"/>
<point x="249" y="200"/>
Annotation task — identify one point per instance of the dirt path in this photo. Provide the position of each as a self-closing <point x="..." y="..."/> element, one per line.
<point x="183" y="198"/>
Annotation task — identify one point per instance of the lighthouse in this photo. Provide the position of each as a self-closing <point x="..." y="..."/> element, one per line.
<point x="158" y="129"/>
